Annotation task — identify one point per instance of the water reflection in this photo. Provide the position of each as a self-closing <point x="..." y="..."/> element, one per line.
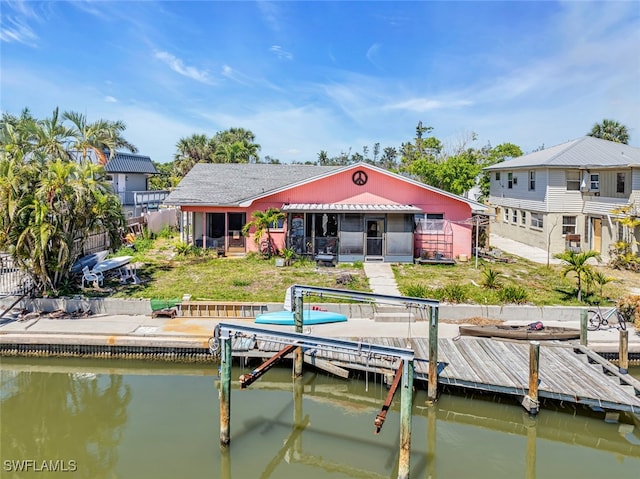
<point x="141" y="420"/>
<point x="68" y="420"/>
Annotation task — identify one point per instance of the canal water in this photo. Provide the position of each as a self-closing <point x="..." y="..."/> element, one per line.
<point x="138" y="420"/>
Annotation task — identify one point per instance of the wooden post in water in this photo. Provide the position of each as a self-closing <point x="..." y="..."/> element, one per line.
<point x="531" y="449"/>
<point x="225" y="392"/>
<point x="432" y="442"/>
<point x="623" y="352"/>
<point x="583" y="327"/>
<point x="432" y="385"/>
<point x="530" y="401"/>
<point x="298" y="319"/>
<point x="406" y="406"/>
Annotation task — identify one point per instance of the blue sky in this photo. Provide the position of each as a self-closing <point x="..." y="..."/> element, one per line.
<point x="334" y="76"/>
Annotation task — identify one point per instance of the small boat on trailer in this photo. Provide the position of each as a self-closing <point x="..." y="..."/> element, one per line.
<point x="524" y="332"/>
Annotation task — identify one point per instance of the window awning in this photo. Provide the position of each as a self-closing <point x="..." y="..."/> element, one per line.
<point x="348" y="208"/>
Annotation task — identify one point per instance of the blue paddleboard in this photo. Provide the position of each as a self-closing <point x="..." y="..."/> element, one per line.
<point x="308" y="317"/>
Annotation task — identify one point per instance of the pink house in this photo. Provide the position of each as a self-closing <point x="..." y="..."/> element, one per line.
<point x="348" y="213"/>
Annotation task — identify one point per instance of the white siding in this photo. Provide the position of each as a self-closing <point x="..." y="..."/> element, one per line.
<point x="597" y="205"/>
<point x="558" y="198"/>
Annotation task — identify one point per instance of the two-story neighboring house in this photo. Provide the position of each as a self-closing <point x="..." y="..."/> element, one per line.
<point x="564" y="196"/>
<point x="129" y="175"/>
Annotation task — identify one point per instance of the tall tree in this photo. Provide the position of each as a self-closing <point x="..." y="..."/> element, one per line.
<point x="610" y="130"/>
<point x="51" y="199"/>
<point x="491" y="156"/>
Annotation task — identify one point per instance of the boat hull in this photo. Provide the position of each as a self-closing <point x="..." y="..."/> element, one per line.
<point x="520" y="332"/>
<point x="309" y="317"/>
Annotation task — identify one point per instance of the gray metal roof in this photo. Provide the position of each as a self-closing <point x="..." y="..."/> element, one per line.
<point x="584" y="152"/>
<point x="351" y="208"/>
<point x="130" y="163"/>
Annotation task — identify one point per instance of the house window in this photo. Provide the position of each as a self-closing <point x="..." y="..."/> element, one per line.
<point x="573" y="180"/>
<point x="432" y="222"/>
<point x="509" y="180"/>
<point x="569" y="225"/>
<point x="594" y="182"/>
<point x="532" y="180"/>
<point x="497" y="176"/>
<point x="536" y="220"/>
<point x="620" y="177"/>
<point x="523" y="218"/>
<point x="505" y="216"/>
<point x="514" y="216"/>
<point x="277" y="225"/>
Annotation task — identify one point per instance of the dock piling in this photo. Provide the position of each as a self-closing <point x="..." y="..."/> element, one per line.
<point x="623" y="352"/>
<point x="406" y="406"/>
<point x="530" y="401"/>
<point x="298" y="317"/>
<point x="432" y="387"/>
<point x="583" y="327"/>
<point x="225" y="392"/>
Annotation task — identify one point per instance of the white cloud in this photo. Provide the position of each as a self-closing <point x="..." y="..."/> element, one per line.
<point x="110" y="99"/>
<point x="270" y="14"/>
<point x="178" y="66"/>
<point x="280" y="53"/>
<point x="14" y="23"/>
<point x="422" y="105"/>
<point x="372" y="54"/>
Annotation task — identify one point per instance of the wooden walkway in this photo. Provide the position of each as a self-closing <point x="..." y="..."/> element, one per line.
<point x="568" y="373"/>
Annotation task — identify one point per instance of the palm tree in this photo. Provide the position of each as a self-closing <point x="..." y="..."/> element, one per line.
<point x="99" y="136"/>
<point x="610" y="130"/>
<point x="577" y="263"/>
<point x="49" y="203"/>
<point x="262" y="222"/>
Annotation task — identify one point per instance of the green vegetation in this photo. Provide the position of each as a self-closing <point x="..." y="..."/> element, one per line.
<point x="521" y="281"/>
<point x="610" y="130"/>
<point x="54" y="191"/>
<point x="165" y="273"/>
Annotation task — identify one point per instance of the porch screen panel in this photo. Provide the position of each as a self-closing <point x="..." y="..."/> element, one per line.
<point x="351" y="234"/>
<point x="400" y="235"/>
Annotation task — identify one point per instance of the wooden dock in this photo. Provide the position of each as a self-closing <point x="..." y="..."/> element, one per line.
<point x="568" y="372"/>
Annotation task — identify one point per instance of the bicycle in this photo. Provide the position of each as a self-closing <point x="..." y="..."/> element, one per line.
<point x="598" y="318"/>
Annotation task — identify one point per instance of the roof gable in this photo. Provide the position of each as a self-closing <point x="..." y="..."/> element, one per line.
<point x="236" y="184"/>
<point x="581" y="153"/>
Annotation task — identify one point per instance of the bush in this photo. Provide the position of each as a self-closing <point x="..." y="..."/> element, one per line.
<point x="183" y="249"/>
<point x="490" y="278"/>
<point x="453" y="293"/>
<point x="418" y="291"/>
<point x="513" y="294"/>
<point x="629" y="307"/>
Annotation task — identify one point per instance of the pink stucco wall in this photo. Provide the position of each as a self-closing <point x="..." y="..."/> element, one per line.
<point x="380" y="188"/>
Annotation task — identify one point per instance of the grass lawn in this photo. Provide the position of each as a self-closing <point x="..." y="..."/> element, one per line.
<point x="166" y="274"/>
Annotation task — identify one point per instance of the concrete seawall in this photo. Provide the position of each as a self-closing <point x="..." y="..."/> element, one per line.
<point x="452" y="312"/>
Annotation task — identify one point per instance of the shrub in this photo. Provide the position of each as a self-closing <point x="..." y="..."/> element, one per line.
<point x="454" y="293"/>
<point x="629" y="307"/>
<point x="183" y="249"/>
<point x="490" y="278"/>
<point x="418" y="291"/>
<point x="513" y="294"/>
